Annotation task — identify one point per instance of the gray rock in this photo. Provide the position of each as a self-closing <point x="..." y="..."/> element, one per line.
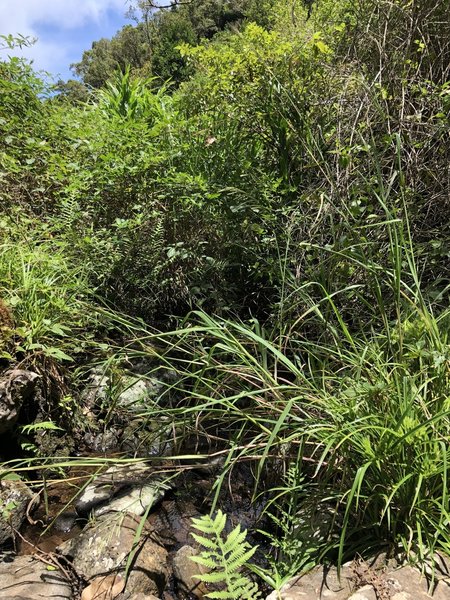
<point x="185" y="569"/>
<point x="16" y="386"/>
<point x="125" y="391"/>
<point x="105" y="545"/>
<point x="408" y="583"/>
<point x="14" y="499"/>
<point x="135" y="501"/>
<point x="405" y="583"/>
<point x="26" y="578"/>
<point x="137" y="392"/>
<point x="109" y="483"/>
<point x="106" y="441"/>
<point x="318" y="584"/>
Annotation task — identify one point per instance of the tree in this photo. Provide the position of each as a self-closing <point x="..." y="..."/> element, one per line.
<point x="129" y="47"/>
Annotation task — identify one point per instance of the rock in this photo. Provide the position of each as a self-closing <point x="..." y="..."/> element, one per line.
<point x="318" y="584"/>
<point x="104" y="588"/>
<point x="26" y="578"/>
<point x="104" y="547"/>
<point x="107" y="484"/>
<point x="405" y="583"/>
<point x="137" y="597"/>
<point x="106" y="441"/>
<point x="408" y="583"/>
<point x="185" y="569"/>
<point x="153" y="439"/>
<point x="135" y="501"/>
<point x="14" y="499"/>
<point x="365" y="593"/>
<point x="172" y="522"/>
<point x="16" y="387"/>
<point x="125" y="391"/>
<point x="137" y="392"/>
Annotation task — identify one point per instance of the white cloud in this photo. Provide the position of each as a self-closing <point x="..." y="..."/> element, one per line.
<point x="32" y="17"/>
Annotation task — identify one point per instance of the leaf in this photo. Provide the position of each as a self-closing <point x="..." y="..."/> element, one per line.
<point x="59" y="329"/>
<point x="104" y="588"/>
<point x="57" y="353"/>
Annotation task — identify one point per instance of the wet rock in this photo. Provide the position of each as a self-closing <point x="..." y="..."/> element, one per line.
<point x="185" y="570"/>
<point x="106" y="485"/>
<point x="104" y="547"/>
<point x="172" y="522"/>
<point x="14" y="499"/>
<point x="16" y="386"/>
<point x="26" y="578"/>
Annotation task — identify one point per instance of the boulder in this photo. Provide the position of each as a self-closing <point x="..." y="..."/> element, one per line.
<point x="14" y="499"/>
<point x="185" y="570"/>
<point x="125" y="391"/>
<point x="367" y="592"/>
<point x="104" y="547"/>
<point x="131" y="488"/>
<point x="361" y="581"/>
<point x="16" y="386"/>
<point x="28" y="579"/>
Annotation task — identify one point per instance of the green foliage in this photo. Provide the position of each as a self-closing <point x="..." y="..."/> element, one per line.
<point x="49" y="296"/>
<point x="127" y="49"/>
<point x="224" y="558"/>
<point x="294" y="185"/>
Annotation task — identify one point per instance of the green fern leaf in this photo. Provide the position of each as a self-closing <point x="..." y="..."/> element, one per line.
<point x="207" y="562"/>
<point x="235" y="537"/>
<point x="205" y="542"/>
<point x="224" y="595"/>
<point x="216" y="577"/>
<point x="225" y="558"/>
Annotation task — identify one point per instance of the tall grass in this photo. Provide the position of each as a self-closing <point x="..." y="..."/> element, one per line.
<point x="361" y="416"/>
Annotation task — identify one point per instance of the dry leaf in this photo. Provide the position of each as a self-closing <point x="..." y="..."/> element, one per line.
<point x="104" y="588"/>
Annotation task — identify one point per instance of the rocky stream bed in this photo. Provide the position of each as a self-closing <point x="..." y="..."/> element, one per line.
<point x="116" y="522"/>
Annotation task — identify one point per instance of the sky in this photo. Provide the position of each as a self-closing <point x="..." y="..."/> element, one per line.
<point x="64" y="28"/>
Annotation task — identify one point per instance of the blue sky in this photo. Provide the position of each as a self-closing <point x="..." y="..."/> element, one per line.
<point x="64" y="28"/>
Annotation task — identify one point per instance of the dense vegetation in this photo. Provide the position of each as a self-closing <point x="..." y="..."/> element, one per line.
<point x="281" y="170"/>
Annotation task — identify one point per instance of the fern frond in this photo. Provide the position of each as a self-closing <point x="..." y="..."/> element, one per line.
<point x="205" y="542"/>
<point x="225" y="558"/>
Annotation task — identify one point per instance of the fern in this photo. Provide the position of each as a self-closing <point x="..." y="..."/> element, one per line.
<point x="224" y="558"/>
